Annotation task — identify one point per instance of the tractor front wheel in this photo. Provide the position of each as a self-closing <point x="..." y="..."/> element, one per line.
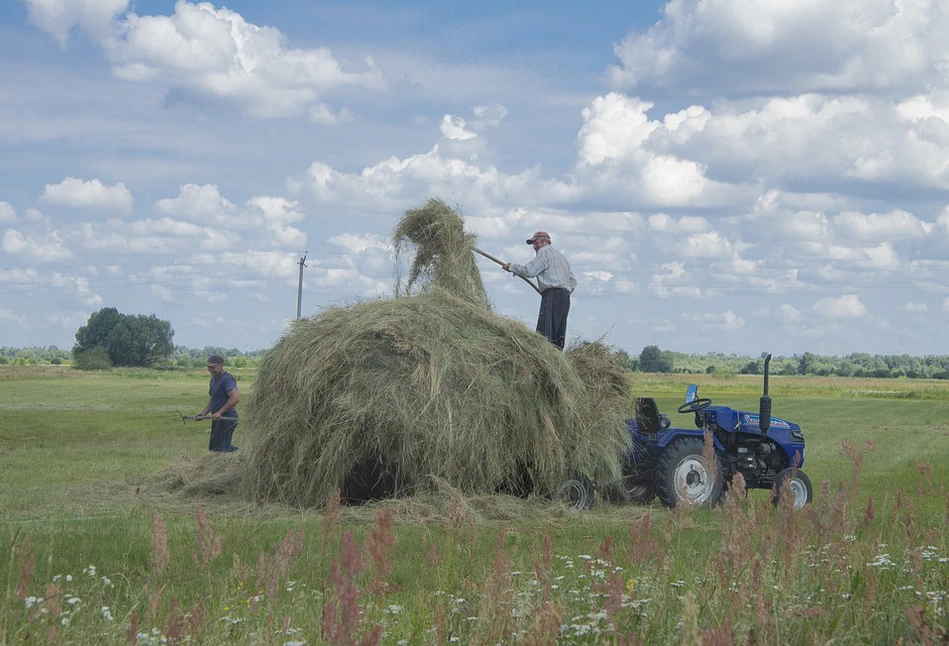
<point x="684" y="476"/>
<point x="798" y="484"/>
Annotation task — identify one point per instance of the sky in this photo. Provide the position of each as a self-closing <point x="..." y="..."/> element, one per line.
<point x="730" y="176"/>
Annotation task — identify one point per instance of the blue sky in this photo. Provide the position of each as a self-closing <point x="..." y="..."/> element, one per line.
<point x="724" y="176"/>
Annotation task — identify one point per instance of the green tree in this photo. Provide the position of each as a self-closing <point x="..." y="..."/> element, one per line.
<point x="129" y="340"/>
<point x="140" y="341"/>
<point x="652" y="359"/>
<point x="97" y="329"/>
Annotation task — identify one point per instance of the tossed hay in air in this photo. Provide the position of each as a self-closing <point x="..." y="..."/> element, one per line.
<point x="379" y="397"/>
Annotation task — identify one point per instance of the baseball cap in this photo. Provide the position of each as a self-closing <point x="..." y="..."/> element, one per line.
<point x="538" y="234"/>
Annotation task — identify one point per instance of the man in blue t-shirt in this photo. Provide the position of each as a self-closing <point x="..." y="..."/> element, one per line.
<point x="221" y="406"/>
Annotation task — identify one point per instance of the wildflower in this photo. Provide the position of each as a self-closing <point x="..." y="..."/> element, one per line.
<point x="678" y="584"/>
<point x="394" y="609"/>
<point x="630" y="586"/>
<point x="106" y="613"/>
<point x="882" y="561"/>
<point x="106" y="581"/>
<point x="32" y="601"/>
<point x="294" y="643"/>
<point x="850" y="538"/>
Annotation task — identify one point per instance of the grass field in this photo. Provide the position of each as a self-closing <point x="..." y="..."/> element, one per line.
<point x="95" y="552"/>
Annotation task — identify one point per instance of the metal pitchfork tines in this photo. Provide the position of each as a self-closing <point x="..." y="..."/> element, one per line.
<point x="186" y="417"/>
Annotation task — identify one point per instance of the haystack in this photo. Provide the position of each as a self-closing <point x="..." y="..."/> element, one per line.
<point x="381" y="397"/>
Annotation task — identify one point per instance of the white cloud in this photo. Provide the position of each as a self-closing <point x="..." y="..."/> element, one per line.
<point x="323" y="115"/>
<point x="50" y="249"/>
<point x="10" y="315"/>
<point x="847" y="306"/>
<point x="209" y="52"/>
<point x="945" y="305"/>
<point x="454" y="128"/>
<point x="488" y="115"/>
<point x="706" y="245"/>
<point x="18" y="276"/>
<point x="684" y="225"/>
<point x="804" y="225"/>
<point x="354" y="243"/>
<point x="396" y="184"/>
<point x="58" y="17"/>
<point x="7" y="214"/>
<point x="162" y="293"/>
<point x="726" y="321"/>
<point x="620" y="150"/>
<point x="203" y="204"/>
<point x="92" y="194"/>
<point x="674" y="282"/>
<point x="895" y="225"/>
<point x="788" y="313"/>
<point x="729" y="45"/>
<point x="882" y="256"/>
<point x="915" y="307"/>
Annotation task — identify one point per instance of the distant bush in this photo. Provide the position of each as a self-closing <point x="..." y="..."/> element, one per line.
<point x="95" y="358"/>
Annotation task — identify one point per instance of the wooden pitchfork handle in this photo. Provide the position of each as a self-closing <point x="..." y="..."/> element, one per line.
<point x="184" y="417"/>
<point x="490" y="257"/>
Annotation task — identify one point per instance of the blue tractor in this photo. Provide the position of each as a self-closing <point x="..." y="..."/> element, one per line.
<point x="674" y="464"/>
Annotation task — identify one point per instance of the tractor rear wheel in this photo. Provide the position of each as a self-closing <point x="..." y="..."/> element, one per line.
<point x="684" y="476"/>
<point x="577" y="492"/>
<point x="799" y="485"/>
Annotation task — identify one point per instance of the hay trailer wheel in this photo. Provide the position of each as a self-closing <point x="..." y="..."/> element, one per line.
<point x="800" y="485"/>
<point x="684" y="476"/>
<point x="627" y="492"/>
<point x="577" y="492"/>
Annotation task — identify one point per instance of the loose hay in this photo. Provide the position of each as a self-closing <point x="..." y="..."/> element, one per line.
<point x="379" y="398"/>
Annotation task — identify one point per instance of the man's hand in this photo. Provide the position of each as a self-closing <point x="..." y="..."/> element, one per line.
<point x="506" y="266"/>
<point x="216" y="417"/>
<point x="199" y="417"/>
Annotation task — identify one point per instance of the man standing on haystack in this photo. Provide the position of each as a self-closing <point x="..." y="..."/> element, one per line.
<point x="555" y="281"/>
<point x="224" y="396"/>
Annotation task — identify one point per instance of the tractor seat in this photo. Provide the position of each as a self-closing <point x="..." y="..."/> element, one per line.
<point x="648" y="418"/>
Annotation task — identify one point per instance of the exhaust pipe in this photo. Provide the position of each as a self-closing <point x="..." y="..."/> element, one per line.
<point x="764" y="406"/>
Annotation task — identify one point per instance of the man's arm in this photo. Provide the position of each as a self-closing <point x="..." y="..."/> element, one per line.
<point x="232" y="398"/>
<point x="532" y="268"/>
<point x="204" y="412"/>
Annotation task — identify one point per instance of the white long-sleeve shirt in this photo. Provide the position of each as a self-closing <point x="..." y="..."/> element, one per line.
<point x="551" y="269"/>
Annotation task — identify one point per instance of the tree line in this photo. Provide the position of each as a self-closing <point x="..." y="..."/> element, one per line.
<point x="857" y="364"/>
<point x="110" y="338"/>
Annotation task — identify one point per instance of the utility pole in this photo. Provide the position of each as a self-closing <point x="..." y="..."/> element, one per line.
<point x="302" y="264"/>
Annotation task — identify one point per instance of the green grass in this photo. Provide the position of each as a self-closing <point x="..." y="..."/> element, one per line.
<point x="868" y="562"/>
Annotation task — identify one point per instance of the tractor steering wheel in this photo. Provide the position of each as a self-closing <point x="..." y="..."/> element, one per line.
<point x="695" y="405"/>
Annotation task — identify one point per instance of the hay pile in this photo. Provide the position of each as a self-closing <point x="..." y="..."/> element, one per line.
<point x="380" y="397"/>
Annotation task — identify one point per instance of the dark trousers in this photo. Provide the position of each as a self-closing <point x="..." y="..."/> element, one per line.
<point x="552" y="320"/>
<point x="221" y="433"/>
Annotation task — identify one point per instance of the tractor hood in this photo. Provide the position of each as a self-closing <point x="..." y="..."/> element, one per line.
<point x="745" y="421"/>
